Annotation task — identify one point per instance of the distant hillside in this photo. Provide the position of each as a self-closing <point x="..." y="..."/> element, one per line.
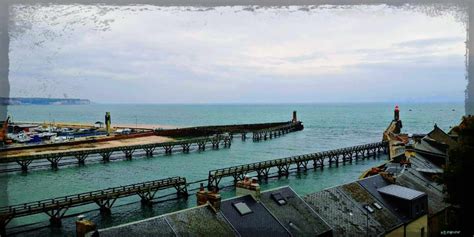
<point x="43" y="101"/>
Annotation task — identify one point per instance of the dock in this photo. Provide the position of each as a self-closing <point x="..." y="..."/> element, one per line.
<point x="269" y="133"/>
<point x="105" y="153"/>
<point x="57" y="207"/>
<point x="167" y="140"/>
<point x="318" y="159"/>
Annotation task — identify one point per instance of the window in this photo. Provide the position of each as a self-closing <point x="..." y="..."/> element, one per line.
<point x="378" y="206"/>
<point x="242" y="208"/>
<point x="279" y="198"/>
<point x="368" y="208"/>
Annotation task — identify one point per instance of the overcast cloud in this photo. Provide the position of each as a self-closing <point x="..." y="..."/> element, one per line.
<point x="144" y="54"/>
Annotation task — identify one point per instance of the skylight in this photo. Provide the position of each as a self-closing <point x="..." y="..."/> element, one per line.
<point x="378" y="206"/>
<point x="242" y="208"/>
<point x="279" y="198"/>
<point x="369" y="208"/>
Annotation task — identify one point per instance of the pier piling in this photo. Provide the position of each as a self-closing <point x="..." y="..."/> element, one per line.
<point x="105" y="199"/>
<point x="283" y="165"/>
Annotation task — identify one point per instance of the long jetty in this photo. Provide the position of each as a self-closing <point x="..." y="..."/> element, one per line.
<point x="56" y="208"/>
<point x="262" y="168"/>
<point x="214" y="135"/>
<point x="55" y="157"/>
<point x="269" y="133"/>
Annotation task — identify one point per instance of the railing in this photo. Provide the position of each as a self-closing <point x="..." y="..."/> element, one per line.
<point x="56" y="207"/>
<point x="262" y="168"/>
<point x="81" y="155"/>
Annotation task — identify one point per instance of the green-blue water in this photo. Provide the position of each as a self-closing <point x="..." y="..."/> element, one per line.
<point x="327" y="126"/>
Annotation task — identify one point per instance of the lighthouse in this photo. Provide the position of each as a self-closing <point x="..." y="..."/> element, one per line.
<point x="396" y="113"/>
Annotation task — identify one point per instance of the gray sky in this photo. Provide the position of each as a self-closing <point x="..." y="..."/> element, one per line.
<point x="149" y="54"/>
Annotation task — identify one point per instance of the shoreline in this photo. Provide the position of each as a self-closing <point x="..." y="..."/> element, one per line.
<point x="120" y="125"/>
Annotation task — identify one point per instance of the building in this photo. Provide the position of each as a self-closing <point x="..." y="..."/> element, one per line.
<point x="403" y="199"/>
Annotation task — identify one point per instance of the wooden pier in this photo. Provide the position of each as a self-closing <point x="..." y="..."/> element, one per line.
<point x="56" y="208"/>
<point x="274" y="132"/>
<point x="105" y="153"/>
<point x="318" y="159"/>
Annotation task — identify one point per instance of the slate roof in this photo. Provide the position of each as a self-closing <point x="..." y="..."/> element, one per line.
<point x="425" y="147"/>
<point x="157" y="226"/>
<point x="295" y="215"/>
<point x="199" y="221"/>
<point x="400" y="192"/>
<point x="384" y="216"/>
<point x="414" y="179"/>
<point x="346" y="216"/>
<point x="258" y="223"/>
<point x="371" y="184"/>
<point x="419" y="161"/>
<point x="439" y="135"/>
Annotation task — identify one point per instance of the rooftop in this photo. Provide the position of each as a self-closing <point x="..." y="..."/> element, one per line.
<point x="346" y="217"/>
<point x="400" y="192"/>
<point x="380" y="213"/>
<point x="294" y="213"/>
<point x="258" y="222"/>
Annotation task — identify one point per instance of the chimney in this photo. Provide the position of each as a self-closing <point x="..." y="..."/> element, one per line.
<point x="214" y="199"/>
<point x="248" y="186"/>
<point x="388" y="177"/>
<point x="201" y="195"/>
<point x="295" y="119"/>
<point x="84" y="226"/>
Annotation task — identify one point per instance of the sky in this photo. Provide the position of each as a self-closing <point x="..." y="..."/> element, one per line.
<point x="150" y="54"/>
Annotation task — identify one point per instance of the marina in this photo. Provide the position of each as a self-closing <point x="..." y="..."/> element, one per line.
<point x="220" y="137"/>
<point x="242" y="152"/>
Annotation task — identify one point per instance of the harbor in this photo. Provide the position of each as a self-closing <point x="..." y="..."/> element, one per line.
<point x="183" y="139"/>
<point x="236" y="118"/>
<point x="56" y="208"/>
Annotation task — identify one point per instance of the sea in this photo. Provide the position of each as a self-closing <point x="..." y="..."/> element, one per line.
<point x="326" y="126"/>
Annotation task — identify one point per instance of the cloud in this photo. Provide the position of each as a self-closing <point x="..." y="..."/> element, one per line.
<point x="175" y="55"/>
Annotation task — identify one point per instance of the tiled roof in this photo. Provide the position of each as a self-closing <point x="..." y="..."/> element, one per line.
<point x="260" y="222"/>
<point x="384" y="216"/>
<point x="371" y="184"/>
<point x="346" y="217"/>
<point x="440" y="136"/>
<point x="295" y="215"/>
<point x="425" y="146"/>
<point x="200" y="221"/>
<point x="157" y="226"/>
<point x="415" y="180"/>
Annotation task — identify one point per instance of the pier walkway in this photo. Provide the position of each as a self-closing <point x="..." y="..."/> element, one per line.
<point x="270" y="133"/>
<point x="262" y="168"/>
<point x="56" y="208"/>
<point x="105" y="153"/>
